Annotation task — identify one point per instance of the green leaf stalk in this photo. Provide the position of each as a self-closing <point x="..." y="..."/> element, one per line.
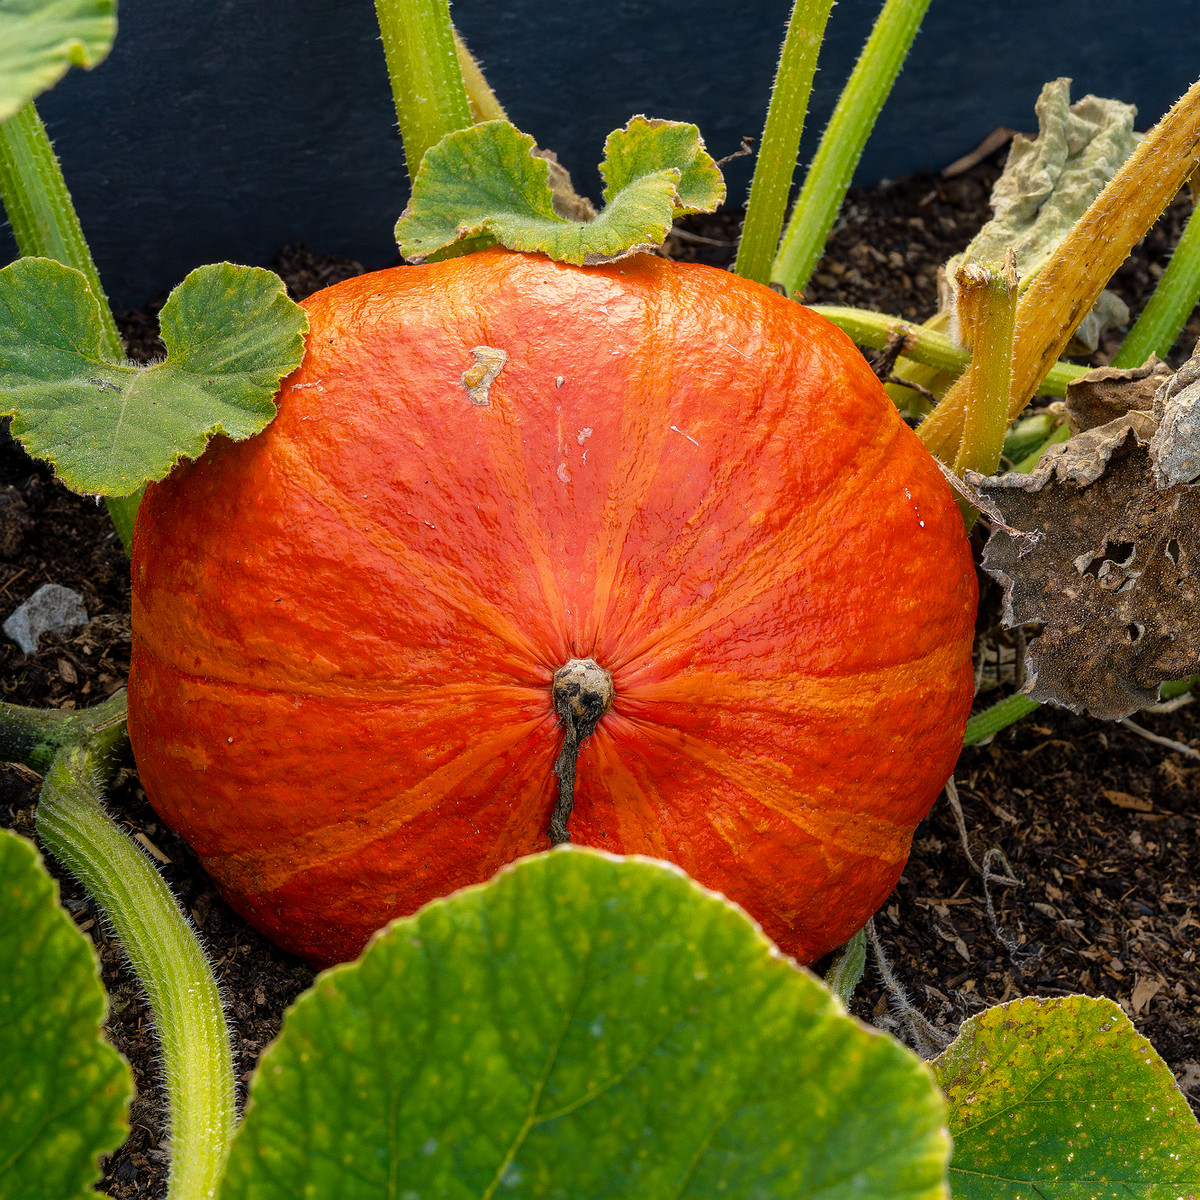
<point x="842" y="144"/>
<point x="1168" y="309"/>
<point x="45" y="225"/>
<point x="423" y="66"/>
<point x="776" y="162"/>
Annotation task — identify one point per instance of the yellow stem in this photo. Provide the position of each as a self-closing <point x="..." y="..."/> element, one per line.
<point x="1068" y="285"/>
<point x="484" y="104"/>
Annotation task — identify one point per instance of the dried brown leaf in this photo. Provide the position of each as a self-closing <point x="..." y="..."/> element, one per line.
<point x="1127" y="800"/>
<point x="1107" y="393"/>
<point x="1109" y="558"/>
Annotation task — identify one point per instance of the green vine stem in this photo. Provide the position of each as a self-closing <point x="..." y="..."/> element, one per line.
<point x="165" y="954"/>
<point x="1001" y="715"/>
<point x="1011" y="709"/>
<point x="39" y="208"/>
<point x="926" y="346"/>
<point x="1168" y="309"/>
<point x="847" y="968"/>
<point x="987" y="306"/>
<point x="423" y="66"/>
<point x="34" y="736"/>
<point x="1178" y="687"/>
<point x="45" y="225"/>
<point x="1061" y="434"/>
<point x="776" y="162"/>
<point x="842" y="143"/>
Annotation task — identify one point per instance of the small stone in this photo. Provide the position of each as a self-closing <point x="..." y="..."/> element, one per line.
<point x="51" y="609"/>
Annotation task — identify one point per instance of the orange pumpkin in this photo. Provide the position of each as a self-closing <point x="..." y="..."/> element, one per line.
<point x="346" y="628"/>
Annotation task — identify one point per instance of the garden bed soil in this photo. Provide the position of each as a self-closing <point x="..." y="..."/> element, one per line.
<point x="1101" y="826"/>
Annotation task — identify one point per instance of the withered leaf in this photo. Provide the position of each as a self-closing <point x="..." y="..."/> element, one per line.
<point x="1104" y="557"/>
<point x="1107" y="393"/>
<point x="1175" y="447"/>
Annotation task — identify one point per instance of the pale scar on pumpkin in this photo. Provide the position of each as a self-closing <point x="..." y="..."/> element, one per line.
<point x="489" y="362"/>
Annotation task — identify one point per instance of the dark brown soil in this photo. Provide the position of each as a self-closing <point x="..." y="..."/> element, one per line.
<point x="1101" y="826"/>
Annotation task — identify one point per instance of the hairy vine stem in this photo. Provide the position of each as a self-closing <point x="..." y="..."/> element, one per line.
<point x="79" y="750"/>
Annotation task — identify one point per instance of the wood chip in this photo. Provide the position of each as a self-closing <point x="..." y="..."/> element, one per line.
<point x="1125" y="800"/>
<point x="1144" y="990"/>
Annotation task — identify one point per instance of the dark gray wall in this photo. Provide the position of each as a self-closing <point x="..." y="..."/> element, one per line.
<point x="224" y="129"/>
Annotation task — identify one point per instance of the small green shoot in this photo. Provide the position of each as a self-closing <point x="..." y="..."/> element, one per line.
<point x="486" y="181"/>
<point x="846" y="971"/>
<point x="109" y="427"/>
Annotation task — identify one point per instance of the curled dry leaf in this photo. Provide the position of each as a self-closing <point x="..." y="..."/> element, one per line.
<point x="1104" y="543"/>
<point x="1175" y="447"/>
<point x="1047" y="185"/>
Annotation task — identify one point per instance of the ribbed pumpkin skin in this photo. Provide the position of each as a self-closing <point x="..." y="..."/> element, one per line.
<point x="345" y="628"/>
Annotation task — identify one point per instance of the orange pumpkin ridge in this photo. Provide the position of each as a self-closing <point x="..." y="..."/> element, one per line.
<point x="346" y="628"/>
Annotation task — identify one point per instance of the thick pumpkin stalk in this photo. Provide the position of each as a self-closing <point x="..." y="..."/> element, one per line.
<point x="583" y="693"/>
<point x="986" y="309"/>
<point x="1068" y="285"/>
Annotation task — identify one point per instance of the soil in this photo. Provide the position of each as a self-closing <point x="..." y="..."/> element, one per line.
<point x="1099" y="825"/>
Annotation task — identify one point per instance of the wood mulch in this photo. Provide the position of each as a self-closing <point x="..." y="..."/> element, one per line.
<point x="1100" y="826"/>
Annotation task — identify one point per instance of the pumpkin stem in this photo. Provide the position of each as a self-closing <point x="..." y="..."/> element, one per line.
<point x="583" y="692"/>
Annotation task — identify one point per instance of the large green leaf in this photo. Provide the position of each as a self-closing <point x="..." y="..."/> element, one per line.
<point x="583" y="1026"/>
<point x="231" y="335"/>
<point x="40" y="40"/>
<point x="1064" y="1100"/>
<point x="486" y="182"/>
<point x="64" y="1090"/>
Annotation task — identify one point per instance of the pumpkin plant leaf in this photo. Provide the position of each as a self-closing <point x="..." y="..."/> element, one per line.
<point x="40" y="42"/>
<point x="583" y="1026"/>
<point x="488" y="183"/>
<point x="64" y="1090"/>
<point x="231" y="335"/>
<point x="1064" y="1099"/>
<point x="646" y="147"/>
<point x="1103" y="540"/>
